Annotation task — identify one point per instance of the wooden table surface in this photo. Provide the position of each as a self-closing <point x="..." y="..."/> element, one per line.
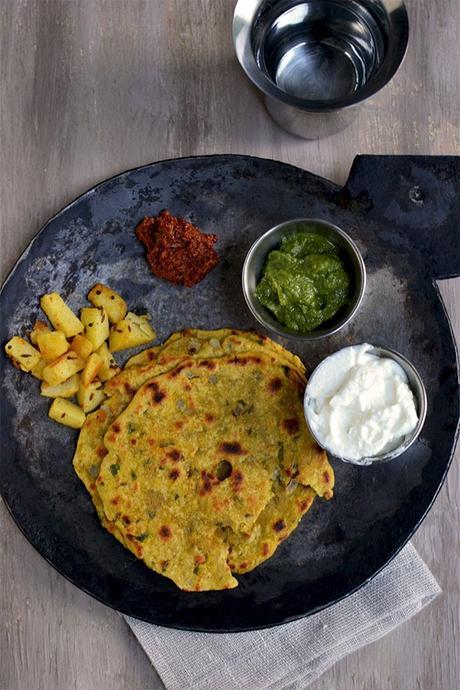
<point x="91" y="88"/>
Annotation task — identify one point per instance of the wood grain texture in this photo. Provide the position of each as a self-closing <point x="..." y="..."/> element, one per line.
<point x="90" y="88"/>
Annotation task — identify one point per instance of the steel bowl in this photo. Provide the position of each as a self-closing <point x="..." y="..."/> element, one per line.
<point x="418" y="389"/>
<point x="317" y="61"/>
<point x="255" y="262"/>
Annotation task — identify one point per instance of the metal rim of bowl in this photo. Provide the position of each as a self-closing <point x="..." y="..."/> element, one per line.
<point x="419" y="395"/>
<point x="282" y="330"/>
<point x="243" y="21"/>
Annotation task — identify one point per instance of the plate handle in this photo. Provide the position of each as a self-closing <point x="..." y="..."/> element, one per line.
<point x="417" y="195"/>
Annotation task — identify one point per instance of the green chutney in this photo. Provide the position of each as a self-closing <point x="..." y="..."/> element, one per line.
<point x="304" y="282"/>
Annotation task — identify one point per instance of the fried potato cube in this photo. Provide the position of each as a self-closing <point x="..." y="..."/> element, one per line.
<point x="82" y="346"/>
<point x="113" y="303"/>
<point x="37" y="370"/>
<point x="96" y="325"/>
<point x="67" y="413"/>
<point x="63" y="368"/>
<point x="60" y="315"/>
<point x="40" y="327"/>
<point x="61" y="390"/>
<point x="131" y="331"/>
<point x="92" y="366"/>
<point x="91" y="396"/>
<point x="52" y="344"/>
<point x="109" y="366"/>
<point x="22" y="354"/>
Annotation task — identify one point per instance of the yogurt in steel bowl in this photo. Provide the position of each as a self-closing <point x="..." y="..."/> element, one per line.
<point x="360" y="404"/>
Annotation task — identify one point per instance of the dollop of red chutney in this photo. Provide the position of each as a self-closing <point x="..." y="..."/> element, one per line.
<point x="177" y="251"/>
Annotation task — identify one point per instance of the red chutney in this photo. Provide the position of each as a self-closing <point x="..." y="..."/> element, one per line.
<point x="177" y="251"/>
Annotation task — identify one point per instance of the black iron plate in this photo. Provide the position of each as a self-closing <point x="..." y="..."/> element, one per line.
<point x="402" y="211"/>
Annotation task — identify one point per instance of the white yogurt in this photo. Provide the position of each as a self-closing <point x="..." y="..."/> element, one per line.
<point x="359" y="405"/>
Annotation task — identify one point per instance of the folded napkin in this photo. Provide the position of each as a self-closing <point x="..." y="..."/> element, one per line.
<point x="291" y="656"/>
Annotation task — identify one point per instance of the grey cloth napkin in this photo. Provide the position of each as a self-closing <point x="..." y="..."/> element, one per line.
<point x="291" y="656"/>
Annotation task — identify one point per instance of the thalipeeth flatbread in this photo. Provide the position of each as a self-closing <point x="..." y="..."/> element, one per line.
<point x="208" y="466"/>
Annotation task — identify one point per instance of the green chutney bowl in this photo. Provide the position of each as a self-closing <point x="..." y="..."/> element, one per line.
<point x="255" y="262"/>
